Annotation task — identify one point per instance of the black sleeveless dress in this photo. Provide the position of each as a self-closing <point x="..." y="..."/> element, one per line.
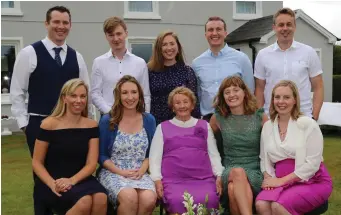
<point x="66" y="155"/>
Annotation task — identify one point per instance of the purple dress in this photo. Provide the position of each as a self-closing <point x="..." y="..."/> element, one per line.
<point x="299" y="198"/>
<point x="186" y="166"/>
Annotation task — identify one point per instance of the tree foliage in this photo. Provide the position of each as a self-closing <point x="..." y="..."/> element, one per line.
<point x="337" y="60"/>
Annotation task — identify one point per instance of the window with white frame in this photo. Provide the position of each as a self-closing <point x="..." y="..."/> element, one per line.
<point x="142" y="47"/>
<point x="9" y="49"/>
<point x="141" y="10"/>
<point x="319" y="53"/>
<point x="246" y="10"/>
<point x="11" y="8"/>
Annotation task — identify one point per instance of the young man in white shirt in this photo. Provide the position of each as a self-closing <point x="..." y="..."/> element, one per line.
<point x="40" y="70"/>
<point x="110" y="67"/>
<point x="290" y="60"/>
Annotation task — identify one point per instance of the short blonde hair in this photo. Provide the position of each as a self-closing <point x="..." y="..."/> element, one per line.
<point x="285" y="10"/>
<point x="68" y="88"/>
<point x="183" y="91"/>
<point x="111" y="24"/>
<point x="295" y="112"/>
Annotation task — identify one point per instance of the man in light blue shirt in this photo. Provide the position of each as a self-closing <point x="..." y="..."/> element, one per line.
<point x="217" y="63"/>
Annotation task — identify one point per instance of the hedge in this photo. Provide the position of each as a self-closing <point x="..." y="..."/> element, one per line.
<point x="336" y="88"/>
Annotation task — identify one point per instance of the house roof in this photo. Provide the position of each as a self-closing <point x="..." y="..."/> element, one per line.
<point x="252" y="30"/>
<point x="261" y="30"/>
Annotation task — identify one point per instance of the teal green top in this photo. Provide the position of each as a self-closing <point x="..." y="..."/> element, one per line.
<point x="241" y="147"/>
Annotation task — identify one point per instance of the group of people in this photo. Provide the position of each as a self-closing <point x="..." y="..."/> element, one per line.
<point x="167" y="127"/>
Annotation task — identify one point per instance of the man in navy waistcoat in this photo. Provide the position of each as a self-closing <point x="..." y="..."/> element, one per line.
<point x="40" y="71"/>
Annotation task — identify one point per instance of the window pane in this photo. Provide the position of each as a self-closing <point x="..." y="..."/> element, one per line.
<point x="318" y="54"/>
<point x="7" y="63"/>
<point x="246" y="7"/>
<point x="140" y="6"/>
<point x="142" y="50"/>
<point x="7" y="4"/>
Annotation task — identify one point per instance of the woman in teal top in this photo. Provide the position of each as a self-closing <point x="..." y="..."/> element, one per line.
<point x="240" y="122"/>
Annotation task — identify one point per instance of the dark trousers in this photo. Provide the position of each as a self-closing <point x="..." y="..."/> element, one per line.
<point x="32" y="131"/>
<point x="217" y="135"/>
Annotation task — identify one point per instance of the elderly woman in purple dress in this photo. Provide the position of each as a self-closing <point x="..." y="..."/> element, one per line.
<point x="295" y="179"/>
<point x="184" y="157"/>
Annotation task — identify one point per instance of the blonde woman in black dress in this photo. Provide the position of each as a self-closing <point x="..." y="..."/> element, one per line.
<point x="65" y="156"/>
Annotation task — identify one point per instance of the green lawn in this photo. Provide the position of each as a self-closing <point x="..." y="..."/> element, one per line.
<point x="16" y="177"/>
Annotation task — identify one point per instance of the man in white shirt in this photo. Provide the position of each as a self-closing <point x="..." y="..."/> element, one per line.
<point x="290" y="60"/>
<point x="110" y="67"/>
<point x="40" y="70"/>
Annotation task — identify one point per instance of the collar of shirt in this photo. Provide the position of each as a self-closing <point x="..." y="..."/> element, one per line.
<point x="189" y="123"/>
<point x="223" y="51"/>
<point x="109" y="53"/>
<point x="50" y="45"/>
<point x="293" y="46"/>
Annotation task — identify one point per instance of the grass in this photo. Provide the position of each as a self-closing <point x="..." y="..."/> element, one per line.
<point x="16" y="177"/>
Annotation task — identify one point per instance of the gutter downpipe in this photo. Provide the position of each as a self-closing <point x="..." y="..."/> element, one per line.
<point x="254" y="52"/>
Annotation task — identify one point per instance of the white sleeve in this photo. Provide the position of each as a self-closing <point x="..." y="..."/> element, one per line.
<point x="145" y="87"/>
<point x="314" y="152"/>
<point x="259" y="71"/>
<point x="25" y="64"/>
<point x="96" y="89"/>
<point x="155" y="154"/>
<point x="84" y="75"/>
<point x="213" y="153"/>
<point x="315" y="67"/>
<point x="265" y="164"/>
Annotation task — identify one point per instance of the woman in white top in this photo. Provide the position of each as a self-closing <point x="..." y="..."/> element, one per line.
<point x="295" y="179"/>
<point x="184" y="157"/>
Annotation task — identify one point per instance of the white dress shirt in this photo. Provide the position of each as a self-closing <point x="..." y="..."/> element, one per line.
<point x="303" y="142"/>
<point x="25" y="64"/>
<point x="299" y="63"/>
<point x="107" y="70"/>
<point x="156" y="149"/>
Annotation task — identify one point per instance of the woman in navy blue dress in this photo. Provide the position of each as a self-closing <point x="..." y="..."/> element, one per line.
<point x="65" y="156"/>
<point x="167" y="70"/>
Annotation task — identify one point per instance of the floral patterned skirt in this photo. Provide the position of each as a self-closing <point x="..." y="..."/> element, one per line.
<point x="114" y="183"/>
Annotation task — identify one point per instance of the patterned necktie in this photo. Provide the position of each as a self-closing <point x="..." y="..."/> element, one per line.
<point x="57" y="57"/>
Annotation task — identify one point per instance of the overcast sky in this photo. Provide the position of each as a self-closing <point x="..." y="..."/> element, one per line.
<point x="326" y="13"/>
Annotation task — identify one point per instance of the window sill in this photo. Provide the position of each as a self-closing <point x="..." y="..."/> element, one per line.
<point x="11" y="12"/>
<point x="246" y="16"/>
<point x="142" y="16"/>
<point x="6" y="100"/>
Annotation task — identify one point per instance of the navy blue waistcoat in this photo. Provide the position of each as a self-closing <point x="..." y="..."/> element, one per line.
<point x="47" y="80"/>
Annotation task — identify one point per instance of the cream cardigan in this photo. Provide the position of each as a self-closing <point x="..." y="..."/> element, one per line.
<point x="303" y="142"/>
